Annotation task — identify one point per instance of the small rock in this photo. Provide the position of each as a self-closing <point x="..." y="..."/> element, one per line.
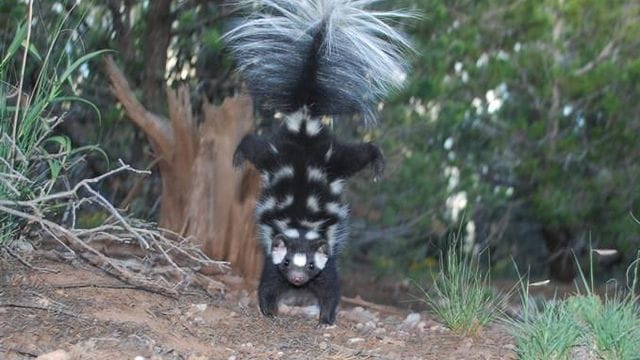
<point x="200" y="307"/>
<point x="198" y="320"/>
<point x="326" y="335"/>
<point x="422" y="326"/>
<point x="284" y="309"/>
<point x="55" y="355"/>
<point x="323" y="345"/>
<point x="23" y="246"/>
<point x="380" y="331"/>
<point x="311" y="311"/>
<point x="411" y="321"/>
<point x="438" y="328"/>
<point x="197" y="357"/>
<point x="326" y="326"/>
<point x="391" y="341"/>
<point x="360" y="315"/>
<point x="244" y="302"/>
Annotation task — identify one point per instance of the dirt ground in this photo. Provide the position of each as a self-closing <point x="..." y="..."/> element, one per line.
<point x="87" y="314"/>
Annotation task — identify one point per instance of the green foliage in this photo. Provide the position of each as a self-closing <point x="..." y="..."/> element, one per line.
<point x="32" y="158"/>
<point x="548" y="334"/>
<point x="607" y="328"/>
<point x="462" y="297"/>
<point x="612" y="328"/>
<point x="536" y="100"/>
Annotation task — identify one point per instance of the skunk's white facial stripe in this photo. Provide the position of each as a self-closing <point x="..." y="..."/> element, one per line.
<point x="316" y="174"/>
<point x="299" y="260"/>
<point x="312" y="235"/>
<point x="320" y="260"/>
<point x="313" y="127"/>
<point x="337" y="186"/>
<point x="278" y="254"/>
<point x="312" y="203"/>
<point x="291" y="233"/>
<point x="294" y="120"/>
<point x="273" y="148"/>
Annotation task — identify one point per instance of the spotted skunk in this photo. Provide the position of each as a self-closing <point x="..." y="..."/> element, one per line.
<point x="310" y="61"/>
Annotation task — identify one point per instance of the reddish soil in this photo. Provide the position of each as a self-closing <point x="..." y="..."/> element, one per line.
<point x="87" y="314"/>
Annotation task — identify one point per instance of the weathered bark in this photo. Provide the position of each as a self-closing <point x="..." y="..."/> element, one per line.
<point x="156" y="43"/>
<point x="203" y="196"/>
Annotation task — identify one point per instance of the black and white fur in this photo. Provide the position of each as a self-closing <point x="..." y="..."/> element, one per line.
<point x="333" y="56"/>
<point x="300" y="262"/>
<point x="304" y="171"/>
<point x="310" y="60"/>
<point x="301" y="213"/>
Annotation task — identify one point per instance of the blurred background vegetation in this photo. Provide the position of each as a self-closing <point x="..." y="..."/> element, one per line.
<point x="517" y="129"/>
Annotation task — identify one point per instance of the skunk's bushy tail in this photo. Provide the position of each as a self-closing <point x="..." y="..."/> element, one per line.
<point x="332" y="56"/>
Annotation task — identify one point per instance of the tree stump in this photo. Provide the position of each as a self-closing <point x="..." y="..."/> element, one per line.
<point x="203" y="197"/>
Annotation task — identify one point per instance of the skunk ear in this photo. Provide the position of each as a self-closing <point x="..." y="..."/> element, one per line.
<point x="279" y="242"/>
<point x="278" y="249"/>
<point x="257" y="150"/>
<point x="321" y="256"/>
<point x="346" y="159"/>
<point x="323" y="248"/>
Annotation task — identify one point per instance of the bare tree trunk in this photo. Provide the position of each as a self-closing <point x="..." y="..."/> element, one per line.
<point x="156" y="43"/>
<point x="203" y="196"/>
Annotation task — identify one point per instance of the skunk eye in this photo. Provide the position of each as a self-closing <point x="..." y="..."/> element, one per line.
<point x="286" y="262"/>
<point x="311" y="266"/>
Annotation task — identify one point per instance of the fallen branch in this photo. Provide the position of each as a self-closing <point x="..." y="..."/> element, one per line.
<point x="155" y="247"/>
<point x="42" y="307"/>
<point x="26" y="263"/>
<point x="99" y="286"/>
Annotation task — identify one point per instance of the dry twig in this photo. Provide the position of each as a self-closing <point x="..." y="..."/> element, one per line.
<point x="159" y="247"/>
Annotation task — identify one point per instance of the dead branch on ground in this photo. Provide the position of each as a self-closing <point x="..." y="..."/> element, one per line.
<point x="160" y="261"/>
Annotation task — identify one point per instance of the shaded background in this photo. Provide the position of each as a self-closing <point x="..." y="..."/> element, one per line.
<point x="517" y="130"/>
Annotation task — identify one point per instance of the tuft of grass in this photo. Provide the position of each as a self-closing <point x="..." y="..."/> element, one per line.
<point x="461" y="296"/>
<point x="608" y="328"/>
<point x="550" y="333"/>
<point x="32" y="159"/>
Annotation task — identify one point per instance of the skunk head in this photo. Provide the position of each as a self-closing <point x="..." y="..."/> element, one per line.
<point x="299" y="255"/>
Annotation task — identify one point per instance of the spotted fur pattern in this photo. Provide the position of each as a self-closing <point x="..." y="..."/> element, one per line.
<point x="310" y="59"/>
<point x="304" y="172"/>
<point x="301" y="215"/>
